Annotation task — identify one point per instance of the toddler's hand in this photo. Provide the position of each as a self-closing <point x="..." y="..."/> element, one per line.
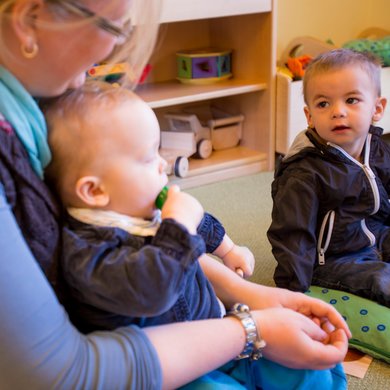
<point x="183" y="208"/>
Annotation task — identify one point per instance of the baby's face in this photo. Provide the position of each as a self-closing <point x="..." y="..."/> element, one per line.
<point x="342" y="104"/>
<point x="134" y="172"/>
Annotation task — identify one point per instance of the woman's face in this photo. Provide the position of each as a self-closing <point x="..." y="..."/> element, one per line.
<point x="67" y="48"/>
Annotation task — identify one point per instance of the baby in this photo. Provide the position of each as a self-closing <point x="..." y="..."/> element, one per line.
<point x="123" y="260"/>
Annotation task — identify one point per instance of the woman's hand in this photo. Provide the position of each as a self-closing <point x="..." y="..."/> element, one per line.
<point x="230" y="288"/>
<point x="322" y="313"/>
<point x="295" y="341"/>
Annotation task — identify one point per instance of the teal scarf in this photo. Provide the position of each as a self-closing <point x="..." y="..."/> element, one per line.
<point x="21" y="110"/>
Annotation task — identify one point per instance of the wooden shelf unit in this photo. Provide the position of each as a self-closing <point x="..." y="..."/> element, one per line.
<point x="247" y="28"/>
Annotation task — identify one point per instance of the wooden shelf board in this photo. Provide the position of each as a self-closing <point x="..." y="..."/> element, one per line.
<point x="216" y="176"/>
<point x="172" y="92"/>
<point x="223" y="159"/>
<point x="177" y="10"/>
<point x="222" y="165"/>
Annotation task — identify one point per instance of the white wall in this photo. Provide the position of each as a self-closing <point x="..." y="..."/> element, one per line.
<point x="338" y="20"/>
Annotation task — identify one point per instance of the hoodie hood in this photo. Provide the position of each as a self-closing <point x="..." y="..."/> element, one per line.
<point x="308" y="142"/>
<point x="300" y="142"/>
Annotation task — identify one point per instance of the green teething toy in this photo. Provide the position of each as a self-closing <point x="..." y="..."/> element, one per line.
<point x="161" y="198"/>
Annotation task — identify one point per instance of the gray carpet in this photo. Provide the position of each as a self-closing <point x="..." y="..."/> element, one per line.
<point x="244" y="207"/>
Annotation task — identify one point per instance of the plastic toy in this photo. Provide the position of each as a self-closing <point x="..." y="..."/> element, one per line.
<point x="114" y="73"/>
<point x="203" y="65"/>
<point x="161" y="198"/>
<point x="379" y="47"/>
<point x="297" y="66"/>
<point x="298" y="53"/>
<point x="111" y="73"/>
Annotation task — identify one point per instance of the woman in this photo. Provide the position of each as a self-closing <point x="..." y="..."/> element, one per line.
<point x="46" y="48"/>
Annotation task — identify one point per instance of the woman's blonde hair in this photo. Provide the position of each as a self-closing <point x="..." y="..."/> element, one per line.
<point x="135" y="51"/>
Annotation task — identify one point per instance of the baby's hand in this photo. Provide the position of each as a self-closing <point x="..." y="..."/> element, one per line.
<point x="183" y="208"/>
<point x="240" y="259"/>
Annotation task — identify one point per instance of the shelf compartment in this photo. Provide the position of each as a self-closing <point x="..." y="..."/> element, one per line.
<point x="246" y="28"/>
<point x="170" y="93"/>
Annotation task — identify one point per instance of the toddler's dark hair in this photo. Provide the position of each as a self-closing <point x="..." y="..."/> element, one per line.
<point x="341" y="58"/>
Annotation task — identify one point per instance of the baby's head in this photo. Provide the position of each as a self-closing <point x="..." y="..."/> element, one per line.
<point x="105" y="142"/>
<point x="342" y="95"/>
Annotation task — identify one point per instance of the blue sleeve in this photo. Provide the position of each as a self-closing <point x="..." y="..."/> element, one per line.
<point x="40" y="349"/>
<point x="292" y="233"/>
<point x="212" y="232"/>
<point x="125" y="275"/>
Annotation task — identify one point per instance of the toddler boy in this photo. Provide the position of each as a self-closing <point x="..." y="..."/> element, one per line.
<point x="331" y="210"/>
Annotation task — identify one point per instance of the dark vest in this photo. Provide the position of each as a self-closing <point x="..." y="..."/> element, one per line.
<point x="36" y="211"/>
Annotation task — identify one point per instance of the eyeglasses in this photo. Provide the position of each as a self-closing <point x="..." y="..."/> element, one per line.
<point x="122" y="33"/>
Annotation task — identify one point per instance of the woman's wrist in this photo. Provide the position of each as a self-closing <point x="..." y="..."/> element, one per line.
<point x="254" y="344"/>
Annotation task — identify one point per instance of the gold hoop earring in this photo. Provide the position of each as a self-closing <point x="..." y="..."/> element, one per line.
<point x="29" y="52"/>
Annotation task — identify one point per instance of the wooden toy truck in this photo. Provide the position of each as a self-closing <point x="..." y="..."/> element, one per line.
<point x="197" y="132"/>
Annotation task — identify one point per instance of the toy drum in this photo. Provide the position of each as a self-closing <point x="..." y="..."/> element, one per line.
<point x="203" y="66"/>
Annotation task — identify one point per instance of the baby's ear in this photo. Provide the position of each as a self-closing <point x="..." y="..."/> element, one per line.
<point x="379" y="109"/>
<point x="91" y="191"/>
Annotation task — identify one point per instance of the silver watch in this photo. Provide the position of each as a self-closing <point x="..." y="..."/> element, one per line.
<point x="254" y="344"/>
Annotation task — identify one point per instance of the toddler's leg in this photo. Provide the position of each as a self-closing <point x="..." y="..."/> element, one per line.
<point x="361" y="273"/>
<point x="384" y="245"/>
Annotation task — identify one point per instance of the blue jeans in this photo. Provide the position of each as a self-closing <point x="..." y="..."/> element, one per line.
<point x="267" y="375"/>
<point x="362" y="273"/>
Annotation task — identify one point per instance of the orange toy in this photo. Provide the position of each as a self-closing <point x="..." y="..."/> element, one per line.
<point x="297" y="65"/>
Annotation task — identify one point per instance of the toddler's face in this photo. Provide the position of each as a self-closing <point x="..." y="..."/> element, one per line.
<point x="134" y="172"/>
<point x="342" y="104"/>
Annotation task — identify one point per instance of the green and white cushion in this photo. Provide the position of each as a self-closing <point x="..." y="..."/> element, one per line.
<point x="368" y="321"/>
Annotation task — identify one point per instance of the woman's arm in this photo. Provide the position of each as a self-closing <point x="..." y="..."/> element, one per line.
<point x="230" y="288"/>
<point x="190" y="349"/>
<point x="40" y="349"/>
